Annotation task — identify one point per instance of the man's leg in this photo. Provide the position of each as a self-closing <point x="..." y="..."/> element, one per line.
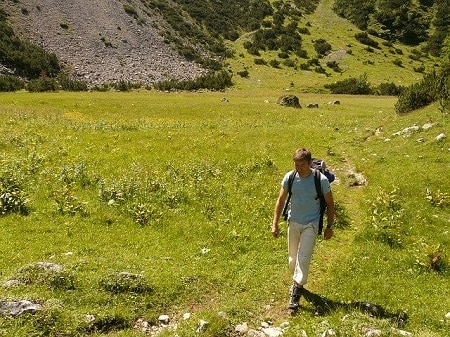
<point x="294" y="235"/>
<point x="304" y="254"/>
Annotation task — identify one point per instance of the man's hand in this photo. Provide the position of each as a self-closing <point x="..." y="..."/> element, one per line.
<point x="275" y="231"/>
<point x="328" y="233"/>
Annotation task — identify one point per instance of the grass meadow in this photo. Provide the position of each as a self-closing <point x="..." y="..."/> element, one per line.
<point x="178" y="190"/>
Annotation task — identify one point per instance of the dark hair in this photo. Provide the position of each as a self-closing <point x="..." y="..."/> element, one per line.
<point x="302" y="154"/>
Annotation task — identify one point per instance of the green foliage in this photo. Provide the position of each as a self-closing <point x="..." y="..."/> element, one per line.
<point x="433" y="258"/>
<point x="30" y="61"/>
<point x="11" y="83"/>
<point x="357" y="11"/>
<point x="352" y="86"/>
<point x="393" y="20"/>
<point x="67" y="202"/>
<point x="117" y="283"/>
<point x="213" y="81"/>
<point x="423" y="93"/>
<point x="42" y="84"/>
<point x="322" y="47"/>
<point x="13" y="199"/>
<point x="441" y="23"/>
<point x="438" y="199"/>
<point x="130" y="10"/>
<point x="52" y="277"/>
<point x="387" y="218"/>
<point x="364" y="38"/>
<point x="388" y="89"/>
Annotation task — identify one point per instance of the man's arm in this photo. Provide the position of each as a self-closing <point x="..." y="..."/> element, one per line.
<point x="279" y="205"/>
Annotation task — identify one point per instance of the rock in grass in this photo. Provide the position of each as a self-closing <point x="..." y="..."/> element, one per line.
<point x="289" y="100"/>
<point x="16" y="308"/>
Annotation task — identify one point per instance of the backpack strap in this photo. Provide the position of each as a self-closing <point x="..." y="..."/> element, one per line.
<point x="323" y="204"/>
<point x="288" y="200"/>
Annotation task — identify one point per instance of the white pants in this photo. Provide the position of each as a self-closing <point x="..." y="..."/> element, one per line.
<point x="301" y="241"/>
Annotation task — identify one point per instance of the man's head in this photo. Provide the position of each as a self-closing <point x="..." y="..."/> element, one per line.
<point x="302" y="161"/>
<point x="302" y="154"/>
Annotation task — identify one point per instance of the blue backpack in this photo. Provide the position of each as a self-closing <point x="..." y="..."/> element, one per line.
<point x="319" y="166"/>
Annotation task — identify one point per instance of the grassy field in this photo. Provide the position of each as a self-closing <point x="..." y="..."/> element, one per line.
<point x="179" y="190"/>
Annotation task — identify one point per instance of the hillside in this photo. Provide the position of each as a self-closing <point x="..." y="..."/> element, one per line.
<point x="100" y="42"/>
<point x="146" y="42"/>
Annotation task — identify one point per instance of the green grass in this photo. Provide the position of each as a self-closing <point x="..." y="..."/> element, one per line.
<point x="193" y="182"/>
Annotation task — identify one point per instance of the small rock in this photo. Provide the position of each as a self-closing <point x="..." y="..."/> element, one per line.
<point x="12" y="283"/>
<point x="403" y="333"/>
<point x="328" y="333"/>
<point x="186" y="316"/>
<point x="284" y="325"/>
<point x="202" y="326"/>
<point x="427" y="126"/>
<point x="241" y="328"/>
<point x="441" y="136"/>
<point x="371" y="332"/>
<point x="17" y="308"/>
<point x="265" y="324"/>
<point x="90" y="318"/>
<point x="272" y="332"/>
<point x="447" y="315"/>
<point x="164" y="319"/>
<point x="255" y="333"/>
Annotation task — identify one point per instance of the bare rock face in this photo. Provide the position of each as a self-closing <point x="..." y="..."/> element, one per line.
<point x="102" y="41"/>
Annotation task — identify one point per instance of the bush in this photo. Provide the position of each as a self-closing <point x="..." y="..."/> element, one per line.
<point x="11" y="83"/>
<point x="12" y="198"/>
<point x="42" y="84"/>
<point x="388" y="89"/>
<point x="422" y="94"/>
<point x="351" y="86"/>
<point x="364" y="38"/>
<point x="322" y="47"/>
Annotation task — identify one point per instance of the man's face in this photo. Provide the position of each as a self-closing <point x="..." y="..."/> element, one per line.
<point x="303" y="167"/>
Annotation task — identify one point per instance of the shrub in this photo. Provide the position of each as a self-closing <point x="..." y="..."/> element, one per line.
<point x="243" y="73"/>
<point x="364" y="38"/>
<point x="12" y="198"/>
<point x="351" y="86"/>
<point x="388" y="89"/>
<point x="67" y="203"/>
<point x="260" y="62"/>
<point x="274" y="63"/>
<point x="334" y="65"/>
<point x="421" y="94"/>
<point x="11" y="83"/>
<point x="42" y="84"/>
<point x="387" y="218"/>
<point x="322" y="47"/>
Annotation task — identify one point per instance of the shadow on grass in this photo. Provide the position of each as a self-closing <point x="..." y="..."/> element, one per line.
<point x="323" y="306"/>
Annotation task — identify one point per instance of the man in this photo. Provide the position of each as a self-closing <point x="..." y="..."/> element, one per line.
<point x="303" y="219"/>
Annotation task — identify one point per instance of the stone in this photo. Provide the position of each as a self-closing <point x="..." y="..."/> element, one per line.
<point x="241" y="328"/>
<point x="16" y="308"/>
<point x="164" y="319"/>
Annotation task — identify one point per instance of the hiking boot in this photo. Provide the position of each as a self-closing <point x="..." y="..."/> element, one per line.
<point x="294" y="300"/>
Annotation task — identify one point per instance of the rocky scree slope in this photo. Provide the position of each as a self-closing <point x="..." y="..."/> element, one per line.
<point x="99" y="42"/>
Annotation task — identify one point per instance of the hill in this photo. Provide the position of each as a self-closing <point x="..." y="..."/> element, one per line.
<point x="150" y="41"/>
<point x="100" y="41"/>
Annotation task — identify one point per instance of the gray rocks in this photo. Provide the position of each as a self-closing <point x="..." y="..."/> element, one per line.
<point x="17" y="308"/>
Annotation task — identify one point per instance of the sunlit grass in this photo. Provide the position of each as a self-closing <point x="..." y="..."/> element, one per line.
<point x="189" y="184"/>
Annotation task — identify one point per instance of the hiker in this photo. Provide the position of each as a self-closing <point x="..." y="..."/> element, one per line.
<point x="303" y="218"/>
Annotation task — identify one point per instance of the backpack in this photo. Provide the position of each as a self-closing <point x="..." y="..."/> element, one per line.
<point x="319" y="166"/>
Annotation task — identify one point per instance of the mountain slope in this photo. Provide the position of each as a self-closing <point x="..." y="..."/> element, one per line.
<point x="102" y="41"/>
